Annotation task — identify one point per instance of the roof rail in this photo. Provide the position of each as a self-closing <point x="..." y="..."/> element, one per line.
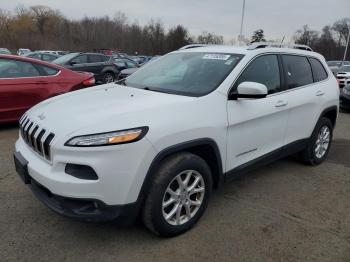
<point x="280" y="45"/>
<point x="192" y="46"/>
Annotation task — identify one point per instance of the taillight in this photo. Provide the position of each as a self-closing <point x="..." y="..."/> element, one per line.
<point x="89" y="82"/>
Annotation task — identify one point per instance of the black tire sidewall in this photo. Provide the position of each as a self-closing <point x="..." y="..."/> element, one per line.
<point x="104" y="77"/>
<point x="168" y="174"/>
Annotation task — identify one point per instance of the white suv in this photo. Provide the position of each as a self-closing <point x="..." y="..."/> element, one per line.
<point x="157" y="143"/>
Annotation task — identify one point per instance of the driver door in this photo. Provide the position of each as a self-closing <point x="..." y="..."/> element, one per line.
<point x="257" y="126"/>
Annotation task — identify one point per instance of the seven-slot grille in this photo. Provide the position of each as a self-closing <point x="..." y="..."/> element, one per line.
<point x="39" y="139"/>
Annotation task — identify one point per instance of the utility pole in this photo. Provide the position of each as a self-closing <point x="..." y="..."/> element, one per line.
<point x="347" y="45"/>
<point x="240" y="37"/>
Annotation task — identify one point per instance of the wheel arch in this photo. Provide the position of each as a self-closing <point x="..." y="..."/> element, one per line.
<point x="205" y="148"/>
<point x="331" y="113"/>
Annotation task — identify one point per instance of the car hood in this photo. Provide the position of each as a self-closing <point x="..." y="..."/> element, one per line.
<point x="104" y="108"/>
<point x="347" y="74"/>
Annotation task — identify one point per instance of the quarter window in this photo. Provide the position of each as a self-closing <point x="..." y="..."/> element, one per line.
<point x="263" y="70"/>
<point x="298" y="70"/>
<point x="318" y="70"/>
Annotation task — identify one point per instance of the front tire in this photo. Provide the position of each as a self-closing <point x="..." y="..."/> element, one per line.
<point x="178" y="195"/>
<point x="320" y="143"/>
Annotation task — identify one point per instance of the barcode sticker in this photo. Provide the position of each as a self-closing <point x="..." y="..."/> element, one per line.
<point x="216" y="57"/>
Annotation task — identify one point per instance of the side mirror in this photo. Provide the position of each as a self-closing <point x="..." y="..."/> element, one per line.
<point x="250" y="90"/>
<point x="72" y="63"/>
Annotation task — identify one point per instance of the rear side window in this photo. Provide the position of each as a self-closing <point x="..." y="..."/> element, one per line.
<point x="95" y="58"/>
<point x="14" y="68"/>
<point x="319" y="72"/>
<point x="298" y="71"/>
<point x="263" y="70"/>
<point x="49" y="71"/>
<point x="105" y="58"/>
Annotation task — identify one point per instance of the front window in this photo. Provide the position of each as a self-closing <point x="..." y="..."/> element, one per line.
<point x="188" y="73"/>
<point x="64" y="59"/>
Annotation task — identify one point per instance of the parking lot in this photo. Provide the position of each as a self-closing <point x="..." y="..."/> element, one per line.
<point x="285" y="211"/>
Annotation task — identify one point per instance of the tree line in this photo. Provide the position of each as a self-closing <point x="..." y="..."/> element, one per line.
<point x="40" y="27"/>
<point x="330" y="42"/>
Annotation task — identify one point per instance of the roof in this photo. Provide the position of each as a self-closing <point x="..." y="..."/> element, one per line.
<point x="245" y="50"/>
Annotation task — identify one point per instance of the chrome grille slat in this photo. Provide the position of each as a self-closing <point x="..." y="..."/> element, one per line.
<point x="37" y="138"/>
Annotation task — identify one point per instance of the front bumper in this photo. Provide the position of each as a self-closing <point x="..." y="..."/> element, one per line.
<point x="121" y="170"/>
<point x="344" y="101"/>
<point x="90" y="210"/>
<point x="342" y="81"/>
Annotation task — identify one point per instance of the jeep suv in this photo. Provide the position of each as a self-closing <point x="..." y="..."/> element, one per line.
<point x="155" y="144"/>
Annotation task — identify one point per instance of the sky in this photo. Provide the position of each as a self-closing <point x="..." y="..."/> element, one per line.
<point x="277" y="18"/>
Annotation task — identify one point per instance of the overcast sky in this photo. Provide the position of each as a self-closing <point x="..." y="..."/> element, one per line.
<point x="276" y="17"/>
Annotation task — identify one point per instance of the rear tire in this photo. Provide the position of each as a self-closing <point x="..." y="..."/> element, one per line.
<point x="178" y="195"/>
<point x="320" y="142"/>
<point x="108" y="77"/>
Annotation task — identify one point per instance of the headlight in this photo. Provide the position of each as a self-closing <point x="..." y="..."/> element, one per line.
<point x="109" y="138"/>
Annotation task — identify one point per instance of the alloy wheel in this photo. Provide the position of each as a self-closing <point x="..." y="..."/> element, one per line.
<point x="183" y="197"/>
<point x="322" y="142"/>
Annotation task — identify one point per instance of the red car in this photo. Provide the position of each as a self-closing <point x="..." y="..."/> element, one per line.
<point x="25" y="82"/>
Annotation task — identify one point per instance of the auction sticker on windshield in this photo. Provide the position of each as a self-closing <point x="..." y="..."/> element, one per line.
<point x="216" y="56"/>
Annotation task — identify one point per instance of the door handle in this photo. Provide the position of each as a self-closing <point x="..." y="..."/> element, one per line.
<point x="42" y="83"/>
<point x="281" y="103"/>
<point x="320" y="93"/>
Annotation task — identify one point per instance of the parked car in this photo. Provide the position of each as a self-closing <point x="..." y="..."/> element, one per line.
<point x="100" y="65"/>
<point x="336" y="65"/>
<point x="343" y="76"/>
<point x="48" y="57"/>
<point x="175" y="130"/>
<point x="140" y="59"/>
<point x="124" y="63"/>
<point x="23" y="51"/>
<point x="129" y="71"/>
<point x="24" y="82"/>
<point x="4" y="51"/>
<point x="58" y="53"/>
<point x="345" y="98"/>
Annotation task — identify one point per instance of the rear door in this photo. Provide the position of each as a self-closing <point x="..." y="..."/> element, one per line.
<point x="20" y="88"/>
<point x="96" y="64"/>
<point x="257" y="126"/>
<point x="305" y="95"/>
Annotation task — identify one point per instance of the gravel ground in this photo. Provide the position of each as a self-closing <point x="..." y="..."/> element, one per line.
<point x="285" y="211"/>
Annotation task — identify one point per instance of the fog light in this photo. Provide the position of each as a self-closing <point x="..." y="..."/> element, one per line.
<point x="81" y="171"/>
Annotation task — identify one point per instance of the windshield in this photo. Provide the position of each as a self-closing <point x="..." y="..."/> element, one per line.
<point x="345" y="69"/>
<point x="64" y="59"/>
<point x="191" y="74"/>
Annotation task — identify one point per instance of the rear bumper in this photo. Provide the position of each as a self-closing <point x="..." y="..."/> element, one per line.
<point x="89" y="210"/>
